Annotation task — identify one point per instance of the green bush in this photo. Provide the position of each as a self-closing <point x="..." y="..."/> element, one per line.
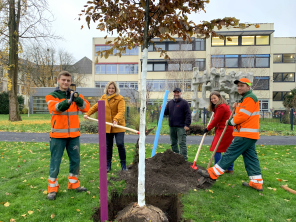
<point x="4" y="105"/>
<point x="25" y="110"/>
<point x="88" y="126"/>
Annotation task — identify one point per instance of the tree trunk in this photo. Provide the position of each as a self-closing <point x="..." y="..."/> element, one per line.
<point x="141" y="174"/>
<point x="13" y="24"/>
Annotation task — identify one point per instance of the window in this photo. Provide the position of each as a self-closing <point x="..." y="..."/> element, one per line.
<point x="111" y="69"/>
<point x="183" y="85"/>
<point x="217" y="61"/>
<point x="263" y="105"/>
<point x="133" y="68"/>
<point x="156" y="85"/>
<point x="216" y="41"/>
<point x="200" y="45"/>
<point x="159" y="45"/>
<point x="231" y="61"/>
<point x="159" y="67"/>
<point x="186" y="47"/>
<point x="102" y="48"/>
<point x="187" y="85"/>
<point x="150" y="67"/>
<point x="116" y="69"/>
<point x="262" y="61"/>
<point x="39" y="105"/>
<point x="262" y="40"/>
<point x="186" y="67"/>
<point x="279" y="96"/>
<point x="240" y="61"/>
<point x="200" y="63"/>
<point x="284" y="77"/>
<point x="174" y="47"/>
<point x="100" y="69"/>
<point x="234" y="40"/>
<point x="284" y="58"/>
<point x="123" y="69"/>
<point x="247" y="61"/>
<point x="248" y="40"/>
<point x="261" y="83"/>
<point x="101" y="85"/>
<point x="128" y="85"/>
<point x="241" y="40"/>
<point x="174" y="67"/>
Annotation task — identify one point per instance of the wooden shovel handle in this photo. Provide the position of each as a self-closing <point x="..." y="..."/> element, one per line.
<point x="288" y="189"/>
<point x="217" y="145"/>
<point x="118" y="126"/>
<point x="202" y="140"/>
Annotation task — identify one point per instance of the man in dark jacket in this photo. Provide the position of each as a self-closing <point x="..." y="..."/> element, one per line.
<point x="179" y="121"/>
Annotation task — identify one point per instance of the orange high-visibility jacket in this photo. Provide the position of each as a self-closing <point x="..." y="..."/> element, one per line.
<point x="114" y="111"/>
<point x="64" y="117"/>
<point x="246" y="118"/>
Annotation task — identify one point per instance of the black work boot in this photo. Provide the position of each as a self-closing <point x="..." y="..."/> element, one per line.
<point x="204" y="173"/>
<point x="123" y="166"/>
<point x="81" y="189"/>
<point x="51" y="196"/>
<point x="108" y="166"/>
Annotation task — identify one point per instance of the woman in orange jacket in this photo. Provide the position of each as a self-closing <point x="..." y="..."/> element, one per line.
<point x="114" y="112"/>
<point x="220" y="107"/>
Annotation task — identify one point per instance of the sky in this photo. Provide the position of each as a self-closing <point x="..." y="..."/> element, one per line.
<point x="78" y="41"/>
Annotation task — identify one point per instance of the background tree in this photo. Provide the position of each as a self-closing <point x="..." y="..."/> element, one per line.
<point x="20" y="20"/>
<point x="137" y="22"/>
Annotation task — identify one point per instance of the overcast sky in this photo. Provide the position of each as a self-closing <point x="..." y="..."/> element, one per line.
<point x="79" y="42"/>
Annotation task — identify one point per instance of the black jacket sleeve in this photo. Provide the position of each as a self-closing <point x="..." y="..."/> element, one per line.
<point x="187" y="114"/>
<point x="167" y="111"/>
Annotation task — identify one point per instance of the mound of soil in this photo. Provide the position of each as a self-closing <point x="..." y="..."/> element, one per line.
<point x="165" y="173"/>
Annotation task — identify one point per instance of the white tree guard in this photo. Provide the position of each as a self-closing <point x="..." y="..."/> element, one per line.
<point x="141" y="168"/>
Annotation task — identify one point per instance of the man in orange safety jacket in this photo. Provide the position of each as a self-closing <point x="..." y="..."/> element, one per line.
<point x="246" y="134"/>
<point x="65" y="132"/>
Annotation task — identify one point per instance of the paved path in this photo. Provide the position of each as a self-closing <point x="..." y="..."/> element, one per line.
<point x="93" y="138"/>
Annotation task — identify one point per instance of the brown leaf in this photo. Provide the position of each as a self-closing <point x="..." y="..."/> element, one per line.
<point x="30" y="212"/>
<point x="12" y="220"/>
<point x="24" y="161"/>
<point x="279" y="179"/>
<point x="52" y="216"/>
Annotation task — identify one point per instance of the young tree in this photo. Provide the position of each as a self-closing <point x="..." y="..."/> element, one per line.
<point x="20" y="19"/>
<point x="137" y="22"/>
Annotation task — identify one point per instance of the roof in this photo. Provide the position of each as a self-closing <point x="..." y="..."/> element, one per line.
<point x="84" y="66"/>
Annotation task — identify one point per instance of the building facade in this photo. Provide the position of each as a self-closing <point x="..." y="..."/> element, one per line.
<point x="271" y="59"/>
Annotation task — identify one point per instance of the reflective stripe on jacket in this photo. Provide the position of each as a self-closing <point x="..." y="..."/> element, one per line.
<point x="64" y="120"/>
<point x="246" y="118"/>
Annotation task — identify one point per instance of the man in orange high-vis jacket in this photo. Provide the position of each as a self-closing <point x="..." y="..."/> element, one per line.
<point x="65" y="132"/>
<point x="246" y="134"/>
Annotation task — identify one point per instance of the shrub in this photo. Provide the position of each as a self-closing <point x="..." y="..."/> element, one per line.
<point x="88" y="126"/>
<point x="4" y="105"/>
<point x="25" y="110"/>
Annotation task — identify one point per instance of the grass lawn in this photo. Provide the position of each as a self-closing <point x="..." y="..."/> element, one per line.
<point x="40" y="123"/>
<point x="24" y="173"/>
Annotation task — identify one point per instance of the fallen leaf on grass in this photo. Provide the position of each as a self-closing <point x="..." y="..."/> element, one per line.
<point x="24" y="215"/>
<point x="6" y="204"/>
<point x="194" y="189"/>
<point x="30" y="212"/>
<point x="45" y="192"/>
<point x="93" y="196"/>
<point x="78" y="210"/>
<point x="72" y="197"/>
<point x="276" y="173"/>
<point x="24" y="181"/>
<point x="261" y="194"/>
<point x="24" y="161"/>
<point x="288" y="219"/>
<point x="12" y="220"/>
<point x="211" y="191"/>
<point x="7" y="194"/>
<point x="286" y="200"/>
<point x="88" y="192"/>
<point x="52" y="216"/>
<point x="39" y="210"/>
<point x="279" y="179"/>
<point x="285" y="180"/>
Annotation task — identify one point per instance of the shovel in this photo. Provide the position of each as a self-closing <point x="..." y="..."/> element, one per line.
<point x="200" y="145"/>
<point x="118" y="126"/>
<point x="217" y="145"/>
